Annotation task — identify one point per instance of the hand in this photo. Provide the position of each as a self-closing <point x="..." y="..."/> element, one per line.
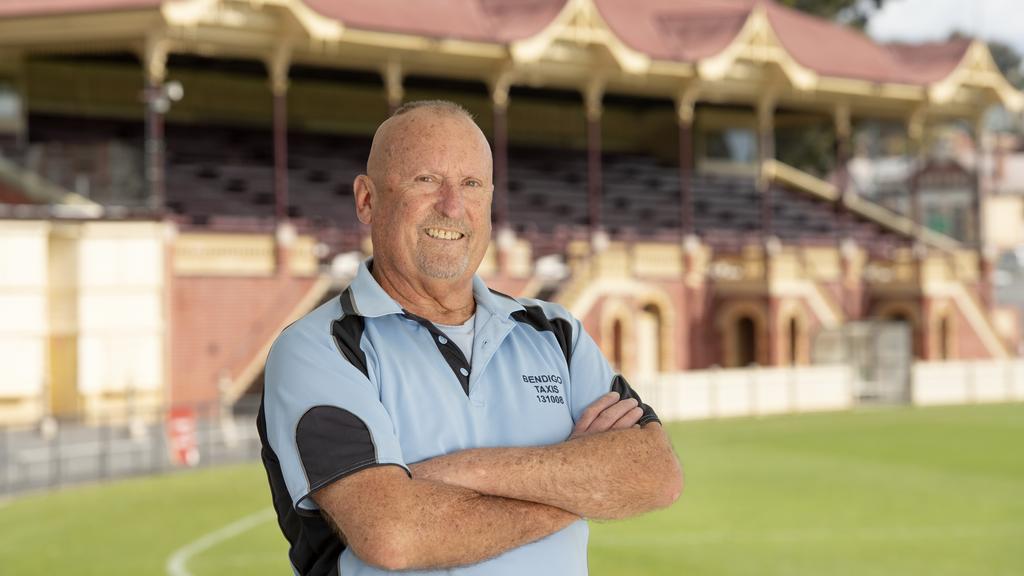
<point x="608" y="412"/>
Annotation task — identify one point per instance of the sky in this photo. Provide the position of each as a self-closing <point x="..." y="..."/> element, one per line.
<point x="924" y="20"/>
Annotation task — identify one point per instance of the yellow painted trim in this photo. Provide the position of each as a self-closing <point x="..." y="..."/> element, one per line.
<point x="529" y="50"/>
<point x="191" y="13"/>
<point x="39" y="188"/>
<point x="786" y="174"/>
<point x="757" y="42"/>
<point x="799" y="180"/>
<point x="319" y="27"/>
<point x="580" y="22"/>
<point x="187" y="13"/>
<point x="977" y="69"/>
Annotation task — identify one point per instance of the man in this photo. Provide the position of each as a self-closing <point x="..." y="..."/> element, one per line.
<point x="420" y="421"/>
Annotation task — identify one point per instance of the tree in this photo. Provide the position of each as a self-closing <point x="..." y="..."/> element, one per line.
<point x="1008" y="61"/>
<point x="850" y="12"/>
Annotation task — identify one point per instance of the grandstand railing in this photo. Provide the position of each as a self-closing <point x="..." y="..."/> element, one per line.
<point x="74" y="450"/>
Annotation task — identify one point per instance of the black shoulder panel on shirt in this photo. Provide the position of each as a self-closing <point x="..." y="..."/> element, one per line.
<point x="560" y="327"/>
<point x="313" y="546"/>
<point x="333" y="443"/>
<point x="347" y="332"/>
<point x="620" y="385"/>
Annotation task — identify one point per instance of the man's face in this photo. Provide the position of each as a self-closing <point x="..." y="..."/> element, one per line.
<point x="431" y="211"/>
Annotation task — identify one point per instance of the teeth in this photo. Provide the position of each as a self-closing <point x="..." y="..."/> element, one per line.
<point x="443" y="234"/>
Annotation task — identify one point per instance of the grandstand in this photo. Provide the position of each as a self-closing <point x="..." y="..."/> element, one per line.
<point x="686" y="163"/>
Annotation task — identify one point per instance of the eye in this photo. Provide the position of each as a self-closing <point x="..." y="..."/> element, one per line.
<point x="473" y="183"/>
<point x="425" y="178"/>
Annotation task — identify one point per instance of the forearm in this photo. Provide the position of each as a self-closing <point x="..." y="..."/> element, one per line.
<point x="434" y="525"/>
<point x="614" y="474"/>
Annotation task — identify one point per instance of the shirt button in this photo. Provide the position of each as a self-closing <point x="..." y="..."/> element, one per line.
<point x="442" y="339"/>
<point x="464" y="372"/>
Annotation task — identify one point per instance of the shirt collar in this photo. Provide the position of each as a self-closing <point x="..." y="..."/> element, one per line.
<point x="371" y="301"/>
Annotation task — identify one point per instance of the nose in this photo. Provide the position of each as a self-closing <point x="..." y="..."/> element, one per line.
<point x="450" y="202"/>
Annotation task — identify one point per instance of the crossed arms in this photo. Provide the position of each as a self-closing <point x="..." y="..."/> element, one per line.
<point x="469" y="506"/>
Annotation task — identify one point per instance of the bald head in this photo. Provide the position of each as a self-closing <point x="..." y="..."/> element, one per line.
<point x="427" y="195"/>
<point x="391" y="140"/>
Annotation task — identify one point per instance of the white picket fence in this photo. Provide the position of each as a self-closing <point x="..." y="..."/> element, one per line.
<point x="706" y="394"/>
<point x="967" y="382"/>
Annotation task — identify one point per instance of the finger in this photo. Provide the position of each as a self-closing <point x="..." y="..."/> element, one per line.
<point x="595" y="408"/>
<point x="629" y="419"/>
<point x="612" y="414"/>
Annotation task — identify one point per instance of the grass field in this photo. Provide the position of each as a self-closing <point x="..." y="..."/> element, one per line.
<point x="903" y="492"/>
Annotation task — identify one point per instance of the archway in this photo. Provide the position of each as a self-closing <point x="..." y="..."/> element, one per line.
<point x="746" y="341"/>
<point x="617" y="345"/>
<point x="649" y="340"/>
<point x="793" y="342"/>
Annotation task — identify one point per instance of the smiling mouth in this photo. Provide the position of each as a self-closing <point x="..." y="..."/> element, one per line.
<point x="442" y="234"/>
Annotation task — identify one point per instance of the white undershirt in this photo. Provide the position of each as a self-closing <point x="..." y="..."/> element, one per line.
<point x="462" y="335"/>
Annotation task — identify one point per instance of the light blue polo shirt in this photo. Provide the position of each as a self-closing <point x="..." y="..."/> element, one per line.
<point x="358" y="382"/>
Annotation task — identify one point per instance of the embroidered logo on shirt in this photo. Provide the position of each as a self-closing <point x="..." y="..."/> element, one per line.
<point x="547" y="387"/>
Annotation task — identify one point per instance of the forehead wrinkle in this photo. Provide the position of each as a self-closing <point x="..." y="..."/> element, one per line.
<point x="398" y="145"/>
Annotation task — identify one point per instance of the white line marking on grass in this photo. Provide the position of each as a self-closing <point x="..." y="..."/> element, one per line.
<point x="176" y="562"/>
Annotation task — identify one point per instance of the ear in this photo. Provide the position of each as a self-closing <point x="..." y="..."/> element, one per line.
<point x="364" y="191"/>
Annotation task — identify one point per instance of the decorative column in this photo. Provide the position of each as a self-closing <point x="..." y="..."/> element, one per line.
<point x="844" y="241"/>
<point x="592" y="97"/>
<point x="155" y="64"/>
<point x="980" y="192"/>
<point x="919" y="155"/>
<point x="504" y="237"/>
<point x="685" y="103"/>
<point x="765" y="152"/>
<point x="844" y="135"/>
<point x="278" y="65"/>
<point x="499" y="105"/>
<point x="393" y="89"/>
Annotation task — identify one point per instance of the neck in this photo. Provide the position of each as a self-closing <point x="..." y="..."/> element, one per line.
<point x="440" y="301"/>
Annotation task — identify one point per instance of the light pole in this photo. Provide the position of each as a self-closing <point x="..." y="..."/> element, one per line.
<point x="158" y="99"/>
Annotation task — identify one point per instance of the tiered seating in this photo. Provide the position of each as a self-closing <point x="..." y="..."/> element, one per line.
<point x="223" y="177"/>
<point x="547" y="190"/>
<point x="641" y="199"/>
<point x="101" y="159"/>
<point x="222" y="171"/>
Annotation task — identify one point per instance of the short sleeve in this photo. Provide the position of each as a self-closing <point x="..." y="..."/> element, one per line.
<point x="324" y="417"/>
<point x="592" y="376"/>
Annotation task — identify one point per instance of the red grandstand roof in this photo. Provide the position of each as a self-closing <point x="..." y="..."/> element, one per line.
<point x="14" y="8"/>
<point x="674" y="30"/>
<point x="833" y="50"/>
<point x="932" y="61"/>
<point x="481" y="20"/>
<point x="696" y="29"/>
<point x="679" y="30"/>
